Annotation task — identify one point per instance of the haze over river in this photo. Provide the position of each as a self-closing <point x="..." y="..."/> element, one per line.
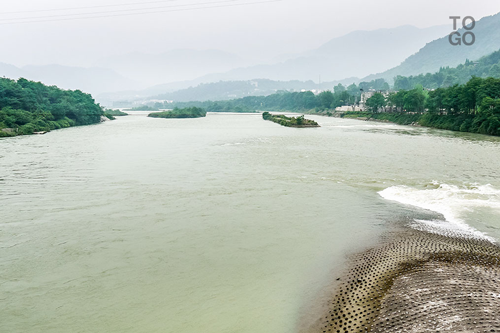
<point x="221" y="224"/>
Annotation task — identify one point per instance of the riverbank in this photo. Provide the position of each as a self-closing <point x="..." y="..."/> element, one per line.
<point x="418" y="281"/>
<point x="480" y="124"/>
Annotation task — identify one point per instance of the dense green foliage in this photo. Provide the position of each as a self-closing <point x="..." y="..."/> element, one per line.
<point x="488" y="66"/>
<point x="192" y="112"/>
<point x="27" y="107"/>
<point x="376" y="102"/>
<point x="289" y="121"/>
<point x="471" y="107"/>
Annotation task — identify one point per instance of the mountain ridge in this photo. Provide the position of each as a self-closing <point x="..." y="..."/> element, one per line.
<point x="440" y="53"/>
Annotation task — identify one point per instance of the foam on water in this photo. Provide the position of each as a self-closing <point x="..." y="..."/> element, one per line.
<point x="449" y="200"/>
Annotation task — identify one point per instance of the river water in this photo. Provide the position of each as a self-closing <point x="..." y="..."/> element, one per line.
<point x="221" y="224"/>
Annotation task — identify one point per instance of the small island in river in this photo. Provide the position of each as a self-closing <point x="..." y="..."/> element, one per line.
<point x="289" y="121"/>
<point x="192" y="112"/>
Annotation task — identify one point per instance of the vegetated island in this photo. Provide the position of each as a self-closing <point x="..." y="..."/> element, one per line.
<point x="111" y="114"/>
<point x="28" y="107"/>
<point x="192" y="112"/>
<point x="289" y="121"/>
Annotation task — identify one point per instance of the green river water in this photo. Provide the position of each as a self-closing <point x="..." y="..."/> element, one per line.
<point x="223" y="224"/>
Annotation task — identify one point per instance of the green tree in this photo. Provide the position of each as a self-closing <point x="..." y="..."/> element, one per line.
<point x="414" y="100"/>
<point x="338" y="88"/>
<point x="326" y="99"/>
<point x="376" y="102"/>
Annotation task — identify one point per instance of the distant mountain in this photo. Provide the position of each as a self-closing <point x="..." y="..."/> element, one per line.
<point x="356" y="54"/>
<point x="10" y="71"/>
<point x="225" y="90"/>
<point x="91" y="80"/>
<point x="440" y="53"/>
<point x="217" y="91"/>
<point x="175" y="65"/>
<point x="94" y="80"/>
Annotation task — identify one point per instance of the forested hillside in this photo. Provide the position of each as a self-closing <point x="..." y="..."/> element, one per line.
<point x="27" y="107"/>
<point x="487" y="66"/>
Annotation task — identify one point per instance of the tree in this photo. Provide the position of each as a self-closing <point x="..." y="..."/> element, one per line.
<point x="353" y="89"/>
<point x="414" y="100"/>
<point x="435" y="101"/>
<point x="326" y="99"/>
<point x="300" y="120"/>
<point x="376" y="102"/>
<point x="397" y="100"/>
<point x="338" y="88"/>
<point x="402" y="83"/>
<point x="450" y="80"/>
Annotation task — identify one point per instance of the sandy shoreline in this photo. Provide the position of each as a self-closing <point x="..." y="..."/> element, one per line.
<point x="416" y="281"/>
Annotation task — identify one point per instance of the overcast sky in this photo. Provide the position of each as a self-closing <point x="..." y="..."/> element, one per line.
<point x="250" y="28"/>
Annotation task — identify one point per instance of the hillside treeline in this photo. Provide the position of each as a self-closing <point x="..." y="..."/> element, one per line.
<point x="471" y="107"/>
<point x="291" y="101"/>
<point x="487" y="66"/>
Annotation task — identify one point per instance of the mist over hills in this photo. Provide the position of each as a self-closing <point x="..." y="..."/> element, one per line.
<point x="222" y="90"/>
<point x="10" y="71"/>
<point x="225" y="90"/>
<point x="440" y="53"/>
<point x="185" y="74"/>
<point x="172" y="66"/>
<point x="356" y="54"/>
<point x="93" y="80"/>
<point x="90" y="80"/>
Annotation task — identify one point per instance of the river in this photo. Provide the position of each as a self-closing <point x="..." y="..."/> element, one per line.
<point x="220" y="224"/>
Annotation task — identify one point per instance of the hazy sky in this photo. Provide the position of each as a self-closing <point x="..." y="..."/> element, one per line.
<point x="251" y="28"/>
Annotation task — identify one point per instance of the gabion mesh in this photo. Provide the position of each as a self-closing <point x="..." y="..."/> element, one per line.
<point x="416" y="281"/>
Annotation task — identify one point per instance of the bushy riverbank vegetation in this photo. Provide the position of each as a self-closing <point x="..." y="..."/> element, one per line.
<point x="289" y="121"/>
<point x="27" y="107"/>
<point x="192" y="112"/>
<point x="472" y="107"/>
